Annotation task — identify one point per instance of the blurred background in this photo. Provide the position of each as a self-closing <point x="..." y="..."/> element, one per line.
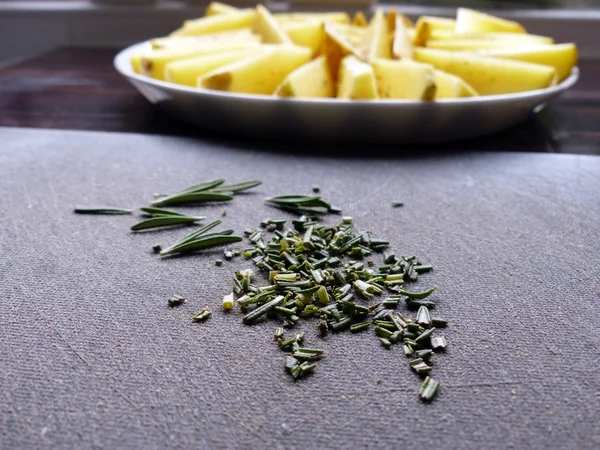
<point x="29" y="27"/>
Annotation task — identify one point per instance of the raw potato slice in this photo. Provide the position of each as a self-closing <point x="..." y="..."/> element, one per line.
<point x="359" y="19"/>
<point x="472" y="44"/>
<point x="487" y="75"/>
<point x="266" y="25"/>
<point x="336" y="17"/>
<point x="227" y="37"/>
<point x="219" y="8"/>
<point x="376" y="43"/>
<point x="563" y="57"/>
<point x="216" y="23"/>
<point x="308" y="33"/>
<point x="393" y="15"/>
<point x="471" y="21"/>
<point x="402" y="47"/>
<point x="258" y="75"/>
<point x="404" y="79"/>
<point x="357" y="80"/>
<point x="336" y="46"/>
<point x="451" y="86"/>
<point x="427" y="26"/>
<point x="154" y="63"/>
<point x="312" y="80"/>
<point x="523" y="38"/>
<point x="186" y="71"/>
<point x="136" y="64"/>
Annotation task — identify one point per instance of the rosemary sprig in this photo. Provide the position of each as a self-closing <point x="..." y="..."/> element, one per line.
<point x="101" y="210"/>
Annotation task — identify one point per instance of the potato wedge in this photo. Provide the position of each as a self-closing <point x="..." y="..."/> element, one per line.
<point x="186" y="71"/>
<point x="214" y="8"/>
<point x="402" y="47"/>
<point x="487" y="75"/>
<point x="563" y="57"/>
<point x="359" y="19"/>
<point x="451" y="86"/>
<point x="524" y="38"/>
<point x="312" y="80"/>
<point x="154" y="63"/>
<point x="336" y="46"/>
<point x="471" y="21"/>
<point x="257" y="75"/>
<point x="308" y="33"/>
<point x="335" y="17"/>
<point x="393" y="15"/>
<point x="136" y="64"/>
<point x="356" y="80"/>
<point x="472" y="44"/>
<point x="427" y="26"/>
<point x="241" y="36"/>
<point x="216" y="23"/>
<point x="404" y="79"/>
<point x="266" y="26"/>
<point x="376" y="43"/>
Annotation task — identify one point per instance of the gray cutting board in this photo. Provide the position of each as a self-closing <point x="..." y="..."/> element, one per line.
<point x="91" y="357"/>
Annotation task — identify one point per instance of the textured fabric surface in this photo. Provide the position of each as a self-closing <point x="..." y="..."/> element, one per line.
<point x="92" y="357"/>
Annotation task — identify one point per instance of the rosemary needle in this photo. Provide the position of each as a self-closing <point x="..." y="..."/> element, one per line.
<point x="235" y="188"/>
<point x="201" y="243"/>
<point x="193" y="197"/>
<point x="160" y="212"/>
<point x="164" y="221"/>
<point x="101" y="210"/>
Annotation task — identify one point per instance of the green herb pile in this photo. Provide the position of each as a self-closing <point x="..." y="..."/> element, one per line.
<point x="318" y="272"/>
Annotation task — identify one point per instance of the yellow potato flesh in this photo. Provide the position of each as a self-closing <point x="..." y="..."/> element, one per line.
<point x="307" y="33"/>
<point x="402" y="47"/>
<point x="266" y="26"/>
<point x="356" y="80"/>
<point x="487" y="75"/>
<point x="376" y="41"/>
<point x="226" y="37"/>
<point x="336" y="46"/>
<point x="359" y="19"/>
<point x="186" y="71"/>
<point x="494" y="36"/>
<point x="426" y="27"/>
<point x="451" y="86"/>
<point x="335" y="17"/>
<point x="216" y="23"/>
<point x="136" y="63"/>
<point x="312" y="80"/>
<point x="472" y="44"/>
<point x="563" y="57"/>
<point x="219" y="8"/>
<point x="471" y="21"/>
<point x="258" y="75"/>
<point x="154" y="63"/>
<point x="404" y="79"/>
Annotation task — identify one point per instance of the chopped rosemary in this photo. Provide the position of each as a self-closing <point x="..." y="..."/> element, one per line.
<point x="176" y="300"/>
<point x="228" y="301"/>
<point x="202" y="315"/>
<point x="428" y="389"/>
<point x="301" y="204"/>
<point x="397" y="204"/>
<point x="157" y="248"/>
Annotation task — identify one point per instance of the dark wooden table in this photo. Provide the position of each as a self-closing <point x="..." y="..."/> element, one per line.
<point x="79" y="89"/>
